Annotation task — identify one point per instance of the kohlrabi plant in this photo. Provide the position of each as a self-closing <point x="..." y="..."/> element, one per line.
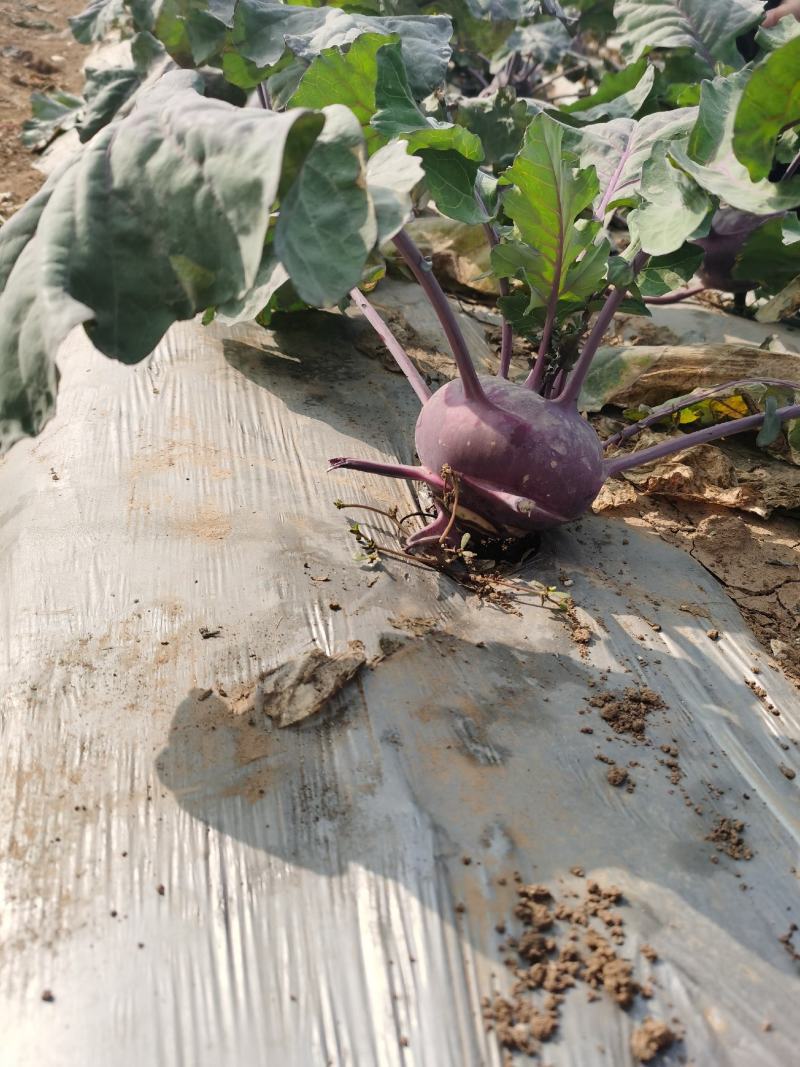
<point x="272" y="173"/>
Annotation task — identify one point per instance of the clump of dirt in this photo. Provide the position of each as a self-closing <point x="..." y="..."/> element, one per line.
<point x="617" y="776"/>
<point x="564" y="943"/>
<point x="650" y="1038"/>
<point x="787" y="942"/>
<point x="627" y="713"/>
<point x="728" y="836"/>
<point x="301" y="687"/>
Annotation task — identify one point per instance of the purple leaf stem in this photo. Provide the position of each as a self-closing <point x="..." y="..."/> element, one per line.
<point x="401" y="357"/>
<point x="421" y="269"/>
<point x="689" y="440"/>
<point x="687" y="402"/>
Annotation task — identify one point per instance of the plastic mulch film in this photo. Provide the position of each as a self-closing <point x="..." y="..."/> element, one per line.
<point x="190" y="879"/>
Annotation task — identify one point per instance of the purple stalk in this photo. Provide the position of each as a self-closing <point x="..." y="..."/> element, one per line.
<point x="401" y="357"/>
<point x="506" y="335"/>
<point x="534" y="379"/>
<point x="536" y="376"/>
<point x="388" y="470"/>
<point x="558" y="383"/>
<point x="657" y="416"/>
<point x="689" y="440"/>
<point x="420" y="268"/>
<point x="677" y="296"/>
<point x="571" y="391"/>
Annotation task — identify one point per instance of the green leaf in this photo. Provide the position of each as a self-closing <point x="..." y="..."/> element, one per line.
<point x="327" y="227"/>
<point x="36" y="313"/>
<point x="545" y="42"/>
<point x="271" y="276"/>
<point x="106" y="91"/>
<point x="790" y="229"/>
<point x="52" y="114"/>
<point x="545" y="202"/>
<point x="398" y="115"/>
<point x="192" y="31"/>
<point x="97" y="20"/>
<point x="673" y="206"/>
<point x="710" y="160"/>
<point x="776" y="37"/>
<point x="391" y="175"/>
<point x="770" y="103"/>
<point x="766" y="260"/>
<point x="499" y="120"/>
<point x="619" y="94"/>
<point x="451" y="181"/>
<point x="595" y="16"/>
<point x="346" y="77"/>
<point x="708" y="28"/>
<point x="164" y="213"/>
<point x="665" y="274"/>
<point x="264" y="30"/>
<point x="771" y="426"/>
<point x="619" y="148"/>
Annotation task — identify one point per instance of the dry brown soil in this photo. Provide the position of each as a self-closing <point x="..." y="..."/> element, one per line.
<point x="37" y="54"/>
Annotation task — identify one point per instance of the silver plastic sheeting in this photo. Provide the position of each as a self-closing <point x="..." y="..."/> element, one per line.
<point x="197" y="887"/>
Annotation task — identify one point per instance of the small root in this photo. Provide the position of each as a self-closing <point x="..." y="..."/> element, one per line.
<point x="481" y="576"/>
<point x="447" y="472"/>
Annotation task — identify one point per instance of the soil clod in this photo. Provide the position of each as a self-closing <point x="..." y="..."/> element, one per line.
<point x="652" y="1037"/>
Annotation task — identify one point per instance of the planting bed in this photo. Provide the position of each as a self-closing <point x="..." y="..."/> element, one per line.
<point x="208" y="888"/>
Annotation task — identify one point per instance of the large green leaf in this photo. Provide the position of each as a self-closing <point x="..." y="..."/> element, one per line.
<point x="769" y="104"/>
<point x="595" y="16"/>
<point x="264" y="30"/>
<point x="398" y="115"/>
<point x="346" y="77"/>
<point x="778" y="35"/>
<point x="560" y="260"/>
<point x="391" y="175"/>
<point x="709" y="158"/>
<point x="165" y="213"/>
<point x="499" y="120"/>
<point x="665" y="274"/>
<point x="545" y="42"/>
<point x="107" y="89"/>
<point x="708" y="27"/>
<point x="327" y="225"/>
<point x="619" y="95"/>
<point x="36" y="313"/>
<point x="371" y="79"/>
<point x="192" y="31"/>
<point x="51" y="114"/>
<point x="98" y="19"/>
<point x="765" y="258"/>
<point x="619" y="148"/>
<point x="673" y="206"/>
<point x="451" y="180"/>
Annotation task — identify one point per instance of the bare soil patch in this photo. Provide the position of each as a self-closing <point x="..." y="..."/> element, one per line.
<point x="37" y="54"/>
